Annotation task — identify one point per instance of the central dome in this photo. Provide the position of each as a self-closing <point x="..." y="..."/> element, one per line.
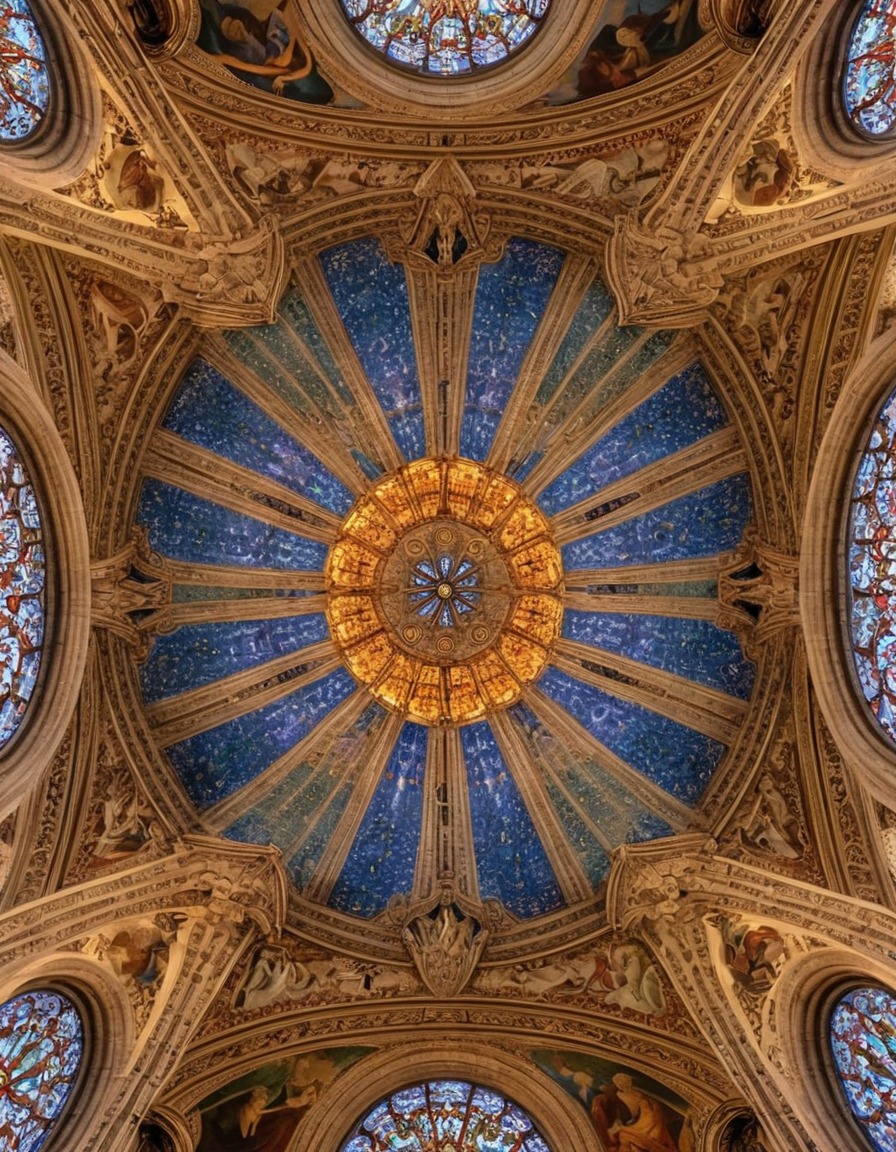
<point x="445" y="591"/>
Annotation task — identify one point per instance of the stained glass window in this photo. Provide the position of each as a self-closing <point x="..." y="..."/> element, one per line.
<point x="24" y="76"/>
<point x="444" y="37"/>
<point x="22" y="571"/>
<point x="872" y="569"/>
<point x="446" y="1116"/>
<point x="41" y="1046"/>
<point x="863" y="1041"/>
<point x="869" y="85"/>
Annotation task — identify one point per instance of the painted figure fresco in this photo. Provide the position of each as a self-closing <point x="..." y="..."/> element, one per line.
<point x="630" y="1112"/>
<point x="754" y="955"/>
<point x="260" y="1111"/>
<point x="260" y="42"/>
<point x="631" y="39"/>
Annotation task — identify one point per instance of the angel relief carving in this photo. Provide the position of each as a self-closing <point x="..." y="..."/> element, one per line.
<point x="279" y="974"/>
<point x="622" y="974"/>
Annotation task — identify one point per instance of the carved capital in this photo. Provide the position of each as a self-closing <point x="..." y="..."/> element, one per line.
<point x="758" y="593"/>
<point x="658" y="883"/>
<point x="126" y="587"/>
<point x="241" y="882"/>
<point x="660" y="277"/>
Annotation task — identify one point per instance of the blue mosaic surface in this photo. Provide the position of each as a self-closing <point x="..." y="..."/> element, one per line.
<point x="653" y="430"/>
<point x="216" y="763"/>
<point x="695" y="649"/>
<point x="186" y="527"/>
<point x="207" y="410"/>
<point x="382" y="859"/>
<point x="596" y="306"/>
<point x="296" y="313"/>
<point x="703" y="523"/>
<point x="372" y="298"/>
<point x="299" y="814"/>
<point x="198" y="654"/>
<point x="613" y="808"/>
<point x="511" y="297"/>
<point x="510" y="860"/>
<point x="674" y="757"/>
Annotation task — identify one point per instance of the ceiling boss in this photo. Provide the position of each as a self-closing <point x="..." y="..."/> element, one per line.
<point x="445" y="591"/>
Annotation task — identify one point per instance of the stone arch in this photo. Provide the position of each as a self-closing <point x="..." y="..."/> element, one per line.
<point x="31" y="427"/>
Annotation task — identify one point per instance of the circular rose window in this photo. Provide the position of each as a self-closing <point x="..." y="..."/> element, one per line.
<point x="22" y="578"/>
<point x="446" y="37"/>
<point x="869" y="89"/>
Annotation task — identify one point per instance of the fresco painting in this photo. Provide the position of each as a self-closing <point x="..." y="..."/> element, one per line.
<point x="260" y="41"/>
<point x="631" y="39"/>
<point x="630" y="1112"/>
<point x="260" y="1111"/>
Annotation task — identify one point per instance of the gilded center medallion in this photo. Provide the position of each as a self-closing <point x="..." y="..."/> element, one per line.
<point x="445" y="591"/>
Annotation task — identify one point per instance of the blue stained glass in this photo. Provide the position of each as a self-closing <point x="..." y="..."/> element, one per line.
<point x="695" y="649"/>
<point x="872" y="570"/>
<point x="383" y="857"/>
<point x="209" y="411"/>
<point x="198" y="654"/>
<point x="511" y="297"/>
<point x="186" y="527"/>
<point x="445" y="39"/>
<point x="443" y="1114"/>
<point x="862" y="1035"/>
<point x="22" y="580"/>
<point x="41" y="1049"/>
<point x="869" y="87"/>
<point x="372" y="298"/>
<point x="703" y="523"/>
<point x="682" y="412"/>
<point x="24" y="74"/>
<point x="676" y="758"/>
<point x="510" y="859"/>
<point x="216" y="763"/>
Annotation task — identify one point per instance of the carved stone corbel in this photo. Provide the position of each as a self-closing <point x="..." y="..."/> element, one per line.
<point x="242" y="882"/>
<point x="758" y="593"/>
<point x="127" y="586"/>
<point x="660" y="278"/>
<point x="447" y="231"/>
<point x="445" y="936"/>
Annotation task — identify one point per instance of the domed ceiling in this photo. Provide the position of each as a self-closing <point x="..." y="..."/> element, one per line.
<point x="426" y="630"/>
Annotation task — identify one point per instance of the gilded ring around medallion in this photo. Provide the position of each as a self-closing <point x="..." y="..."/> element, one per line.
<point x="444" y="591"/>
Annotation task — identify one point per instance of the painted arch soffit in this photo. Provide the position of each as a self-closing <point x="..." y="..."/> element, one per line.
<point x="447" y="633"/>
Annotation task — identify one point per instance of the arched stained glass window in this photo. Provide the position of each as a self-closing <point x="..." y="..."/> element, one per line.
<point x="446" y="1116"/>
<point x="24" y="75"/>
<point x="872" y="569"/>
<point x="22" y="579"/>
<point x="41" y="1047"/>
<point x="863" y="1041"/>
<point x="869" y="84"/>
<point x="444" y="38"/>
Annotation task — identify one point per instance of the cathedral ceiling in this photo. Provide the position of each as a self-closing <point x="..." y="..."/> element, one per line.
<point x="445" y="455"/>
